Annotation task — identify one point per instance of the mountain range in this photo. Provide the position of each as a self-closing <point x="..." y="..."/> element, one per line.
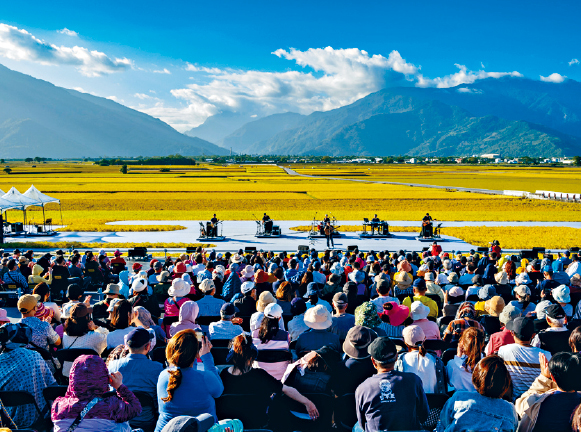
<point x="511" y="116"/>
<point x="40" y="119"/>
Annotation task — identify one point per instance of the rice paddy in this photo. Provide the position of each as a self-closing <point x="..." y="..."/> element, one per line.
<point x="92" y="195"/>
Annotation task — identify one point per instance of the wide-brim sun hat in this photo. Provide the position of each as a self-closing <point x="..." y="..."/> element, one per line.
<point x="179" y="288"/>
<point x="318" y="318"/>
<point x="237" y="259"/>
<point x="419" y="311"/>
<point x="562" y="294"/>
<point x="357" y="341"/>
<point x="264" y="300"/>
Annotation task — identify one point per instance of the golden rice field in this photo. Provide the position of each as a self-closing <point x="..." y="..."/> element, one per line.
<point x="92" y="195"/>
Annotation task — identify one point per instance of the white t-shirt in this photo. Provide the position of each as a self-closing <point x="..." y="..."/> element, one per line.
<point x="458" y="376"/>
<point x="522" y="364"/>
<point x="380" y="301"/>
<point x="424" y="367"/>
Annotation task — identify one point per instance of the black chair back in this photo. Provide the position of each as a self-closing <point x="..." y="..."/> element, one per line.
<point x="437" y="400"/>
<point x="71" y="354"/>
<point x="448" y="355"/>
<point x="219" y="354"/>
<point x="345" y="412"/>
<point x="20" y="398"/>
<point x="252" y="411"/>
<point x="207" y="320"/>
<point x="435" y="345"/>
<point x="274" y="356"/>
<point x="52" y="392"/>
<point x="117" y="268"/>
<point x="401" y="346"/>
<point x="221" y="343"/>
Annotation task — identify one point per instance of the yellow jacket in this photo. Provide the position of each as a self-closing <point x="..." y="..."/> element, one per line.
<point x="426" y="301"/>
<point x="36" y="278"/>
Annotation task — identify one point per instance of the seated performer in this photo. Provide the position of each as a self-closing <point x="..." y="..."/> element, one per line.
<point x="374" y="224"/>
<point x="267" y="223"/>
<point x="427" y="226"/>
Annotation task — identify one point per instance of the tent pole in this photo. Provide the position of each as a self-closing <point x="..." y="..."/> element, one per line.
<point x="61" y="210"/>
<point x="43" y="219"/>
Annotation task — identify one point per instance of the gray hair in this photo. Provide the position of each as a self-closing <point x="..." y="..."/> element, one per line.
<point x="555" y="322"/>
<point x="447" y="264"/>
<point x="144" y="316"/>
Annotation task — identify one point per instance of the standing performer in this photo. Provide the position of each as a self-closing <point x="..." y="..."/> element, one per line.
<point x="374" y="224"/>
<point x="327" y="219"/>
<point x="214" y="221"/>
<point x="329" y="235"/>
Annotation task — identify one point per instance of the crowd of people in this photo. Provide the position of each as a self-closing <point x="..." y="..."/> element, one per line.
<point x="302" y="341"/>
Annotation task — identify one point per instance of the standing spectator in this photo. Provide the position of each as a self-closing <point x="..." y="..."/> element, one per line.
<point x="483" y="410"/>
<point x="140" y="374"/>
<point x="88" y="383"/>
<point x="389" y="400"/>
<point x="175" y="384"/>
<point x="521" y="358"/>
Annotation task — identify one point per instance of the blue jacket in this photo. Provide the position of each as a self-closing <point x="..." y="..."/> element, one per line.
<point x="231" y="286"/>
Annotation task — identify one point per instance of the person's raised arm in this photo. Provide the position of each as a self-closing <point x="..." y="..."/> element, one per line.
<point x="211" y="374"/>
<point x="129" y="406"/>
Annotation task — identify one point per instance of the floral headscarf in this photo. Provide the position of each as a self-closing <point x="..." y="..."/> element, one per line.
<point x="466" y="310"/>
<point x="366" y="315"/>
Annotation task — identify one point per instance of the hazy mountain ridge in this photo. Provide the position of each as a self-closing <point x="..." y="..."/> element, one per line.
<point x="40" y="119"/>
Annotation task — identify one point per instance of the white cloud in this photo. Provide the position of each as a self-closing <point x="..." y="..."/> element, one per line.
<point x="163" y="71"/>
<point x="468" y="90"/>
<point x="114" y="99"/>
<point x="574" y="62"/>
<point x="482" y="65"/>
<point x="193" y="68"/>
<point x="554" y="78"/>
<point x="463" y="76"/>
<point x="142" y="96"/>
<point x="17" y="44"/>
<point x="68" y="32"/>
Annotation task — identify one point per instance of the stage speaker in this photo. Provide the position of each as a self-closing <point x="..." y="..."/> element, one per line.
<point x="482" y="249"/>
<point x="303" y="248"/>
<point x="574" y="249"/>
<point x="425" y="249"/>
<point x="249" y="249"/>
<point x="190" y="250"/>
<point x="352" y="248"/>
<point x="539" y="250"/>
<point x="528" y="254"/>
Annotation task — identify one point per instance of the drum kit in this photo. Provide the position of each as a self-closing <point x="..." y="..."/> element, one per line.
<point x="267" y="229"/>
<point x="211" y="231"/>
<point x="318" y="227"/>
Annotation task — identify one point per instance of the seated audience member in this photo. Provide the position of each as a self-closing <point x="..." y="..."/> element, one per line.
<point x="121" y="318"/>
<point x="521" y="358"/>
<point x="452" y="301"/>
<point x="420" y="295"/>
<point x="100" y="308"/>
<point x="319" y="321"/>
<point x="209" y="305"/>
<point x="43" y="334"/>
<point x="486" y="408"/>
<point x="88" y="382"/>
<point x="432" y="287"/>
<point x="551" y="409"/>
<point x="12" y="276"/>
<point x="46" y="311"/>
<point x="226" y="328"/>
<point x="141" y="297"/>
<point x="140" y="374"/>
<point x="187" y="318"/>
<point x="24" y="267"/>
<point x="493" y="308"/>
<point x="312" y="373"/>
<point x="419" y="314"/>
<point x="284" y="296"/>
<point x="332" y="287"/>
<point x="177" y="293"/>
<point x="154" y="276"/>
<point x="36" y="278"/>
<point x="247" y="303"/>
<point x="556" y="337"/>
<point x="81" y="332"/>
<point x="297" y="325"/>
<point x="74" y="293"/>
<point x="256" y="318"/>
<point x="271" y="337"/>
<point x="142" y="318"/>
<point x="465" y="318"/>
<point x="392" y="318"/>
<point x="562" y="295"/>
<point x="523" y="299"/>
<point x="175" y="384"/>
<point x="403" y="284"/>
<point x="485" y="293"/>
<point x="502" y="286"/>
<point x="504" y="336"/>
<point x="389" y="400"/>
<point x="469" y="352"/>
<point x="22" y="369"/>
<point x="428" y="367"/>
<point x="342" y="321"/>
<point x="384" y="291"/>
<point x="356" y="366"/>
<point x="313" y="297"/>
<point x="242" y="378"/>
<point x="367" y="315"/>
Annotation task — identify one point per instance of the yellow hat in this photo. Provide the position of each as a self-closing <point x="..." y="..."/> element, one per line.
<point x="26" y="303"/>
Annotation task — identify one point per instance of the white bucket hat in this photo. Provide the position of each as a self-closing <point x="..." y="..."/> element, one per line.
<point x="139" y="284"/>
<point x="419" y="311"/>
<point x="179" y="288"/>
<point x="318" y="318"/>
<point x="207" y="286"/>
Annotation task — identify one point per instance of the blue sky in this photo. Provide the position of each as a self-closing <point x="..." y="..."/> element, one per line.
<point x="228" y="48"/>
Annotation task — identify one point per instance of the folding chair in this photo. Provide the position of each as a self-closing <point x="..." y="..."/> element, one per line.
<point x="21" y="398"/>
<point x="300" y="419"/>
<point x="245" y="407"/>
<point x="345" y="412"/>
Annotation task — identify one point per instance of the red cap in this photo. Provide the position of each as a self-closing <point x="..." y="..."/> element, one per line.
<point x="180" y="268"/>
<point x="136" y="266"/>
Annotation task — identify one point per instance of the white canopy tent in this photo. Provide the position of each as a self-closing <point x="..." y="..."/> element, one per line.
<point x="36" y="195"/>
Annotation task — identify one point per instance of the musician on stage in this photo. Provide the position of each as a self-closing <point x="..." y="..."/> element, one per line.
<point x="427" y="226"/>
<point x="265" y="218"/>
<point x="327" y="219"/>
<point x="329" y="235"/>
<point x="267" y="223"/>
<point x="374" y="224"/>
<point x="214" y="221"/>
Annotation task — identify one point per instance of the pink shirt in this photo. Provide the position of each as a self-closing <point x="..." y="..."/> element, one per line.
<point x="430" y="328"/>
<point x="499" y="339"/>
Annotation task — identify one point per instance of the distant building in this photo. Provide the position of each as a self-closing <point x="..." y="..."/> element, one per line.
<point x="411" y="161"/>
<point x="490" y="156"/>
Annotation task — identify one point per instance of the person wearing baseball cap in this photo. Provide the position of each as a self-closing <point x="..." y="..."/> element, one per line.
<point x="522" y="359"/>
<point x="342" y="321"/>
<point x="420" y="289"/>
<point x="229" y="326"/>
<point x="247" y="304"/>
<point x="209" y="305"/>
<point x="43" y="334"/>
<point x="141" y="297"/>
<point x="389" y="400"/>
<point x="139" y="373"/>
<point x="556" y="337"/>
<point x="523" y="299"/>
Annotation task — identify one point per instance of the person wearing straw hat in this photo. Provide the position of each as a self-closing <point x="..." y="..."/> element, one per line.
<point x="256" y="318"/>
<point x="403" y="284"/>
<point x="319" y="321"/>
<point x="100" y="308"/>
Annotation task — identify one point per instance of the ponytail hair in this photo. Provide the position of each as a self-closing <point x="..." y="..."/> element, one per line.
<point x="472" y="342"/>
<point x="181" y="352"/>
<point x="421" y="348"/>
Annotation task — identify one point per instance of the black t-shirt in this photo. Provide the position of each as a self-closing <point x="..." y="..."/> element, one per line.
<point x="350" y="373"/>
<point x="555" y="412"/>
<point x="255" y="382"/>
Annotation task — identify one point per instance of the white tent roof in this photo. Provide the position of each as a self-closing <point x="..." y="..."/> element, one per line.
<point x="20" y="200"/>
<point x="7" y="205"/>
<point x="35" y="194"/>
